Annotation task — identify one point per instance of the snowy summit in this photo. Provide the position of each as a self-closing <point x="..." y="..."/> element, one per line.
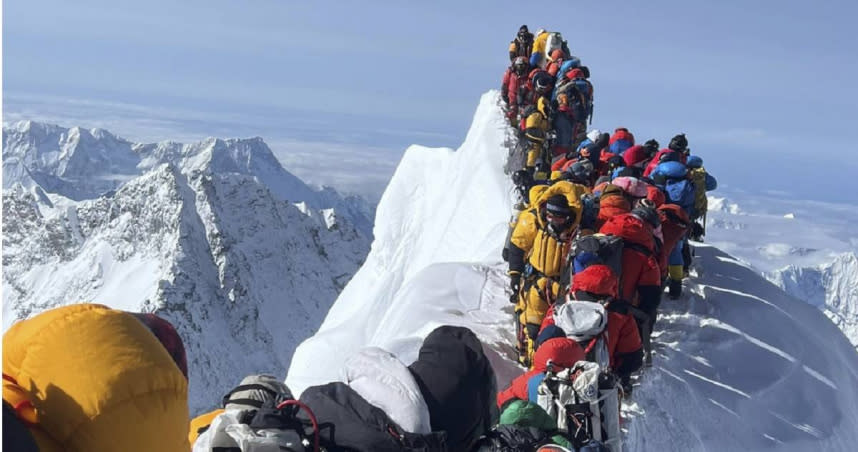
<point x="739" y="364"/>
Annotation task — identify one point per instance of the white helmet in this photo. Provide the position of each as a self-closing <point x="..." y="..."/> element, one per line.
<point x="594" y="134"/>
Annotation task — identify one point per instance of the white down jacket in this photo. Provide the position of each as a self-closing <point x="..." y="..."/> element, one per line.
<point x="380" y="378"/>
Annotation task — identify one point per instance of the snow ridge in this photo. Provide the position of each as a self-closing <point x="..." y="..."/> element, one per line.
<point x="739" y="364"/>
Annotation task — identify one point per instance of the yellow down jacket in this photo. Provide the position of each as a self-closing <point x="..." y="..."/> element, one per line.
<point x="546" y="254"/>
<point x="98" y="379"/>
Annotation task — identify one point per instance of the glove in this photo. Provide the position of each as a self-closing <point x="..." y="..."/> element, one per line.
<point x="515" y="284"/>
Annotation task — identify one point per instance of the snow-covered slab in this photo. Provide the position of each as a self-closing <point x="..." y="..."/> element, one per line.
<point x="737" y="355"/>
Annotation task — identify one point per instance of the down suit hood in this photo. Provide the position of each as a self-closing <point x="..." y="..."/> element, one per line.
<point x="98" y="380"/>
<point x="384" y="381"/>
<point x="458" y="384"/>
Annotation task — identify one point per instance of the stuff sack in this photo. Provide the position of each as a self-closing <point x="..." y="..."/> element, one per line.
<point x="585" y="322"/>
<point x="384" y="381"/>
<point x="584" y="400"/>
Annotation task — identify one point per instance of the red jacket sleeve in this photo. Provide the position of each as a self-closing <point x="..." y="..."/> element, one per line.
<point x="516" y="390"/>
<point x="629" y="338"/>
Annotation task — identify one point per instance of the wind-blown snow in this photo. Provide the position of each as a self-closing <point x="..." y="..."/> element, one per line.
<point x="436" y="225"/>
<point x="739" y="364"/>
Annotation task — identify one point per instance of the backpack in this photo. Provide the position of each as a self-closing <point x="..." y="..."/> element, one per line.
<point x="555" y="41"/>
<point x="512" y="438"/>
<point x="347" y="421"/>
<point x="586" y="323"/>
<point x="589" y="211"/>
<point x="578" y="95"/>
<point x="584" y="400"/>
<point x="597" y="249"/>
<point x="260" y="415"/>
<point x="698" y="177"/>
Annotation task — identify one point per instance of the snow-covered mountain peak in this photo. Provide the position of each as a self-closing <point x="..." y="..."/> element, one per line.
<point x="205" y="234"/>
<point x="831" y="287"/>
<point x="736" y="354"/>
<point x="81" y="164"/>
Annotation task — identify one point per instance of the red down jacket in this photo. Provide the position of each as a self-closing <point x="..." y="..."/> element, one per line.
<point x="674" y="224"/>
<point x="623" y="334"/>
<point x="562" y="351"/>
<point x="612" y="202"/>
<point x="640" y="263"/>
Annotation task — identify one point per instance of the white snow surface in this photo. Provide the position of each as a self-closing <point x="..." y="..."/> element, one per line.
<point x="207" y="235"/>
<point x="739" y="364"/>
<point x="811" y="251"/>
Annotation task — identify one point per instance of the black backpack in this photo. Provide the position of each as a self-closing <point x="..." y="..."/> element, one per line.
<point x="512" y="438"/>
<point x="347" y="422"/>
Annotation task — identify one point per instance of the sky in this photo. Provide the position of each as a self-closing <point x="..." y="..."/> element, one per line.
<point x="763" y="89"/>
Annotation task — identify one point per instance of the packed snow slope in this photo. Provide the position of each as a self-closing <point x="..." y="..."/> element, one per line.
<point x="739" y="365"/>
<point x="214" y="236"/>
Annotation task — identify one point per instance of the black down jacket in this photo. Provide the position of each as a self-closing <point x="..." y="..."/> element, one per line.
<point x="458" y="384"/>
<point x="347" y="422"/>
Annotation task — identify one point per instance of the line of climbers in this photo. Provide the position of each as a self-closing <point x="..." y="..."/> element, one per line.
<point x="547" y="95"/>
<point x="600" y="231"/>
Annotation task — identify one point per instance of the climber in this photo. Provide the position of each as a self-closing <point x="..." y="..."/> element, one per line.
<point x="640" y="275"/>
<point x="561" y="351"/>
<point x="514" y="87"/>
<point x="598" y="283"/>
<point x="537" y="255"/>
<point x="522" y="45"/>
<point x="703" y="182"/>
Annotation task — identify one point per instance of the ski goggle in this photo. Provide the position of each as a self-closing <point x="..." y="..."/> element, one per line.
<point x="556" y="217"/>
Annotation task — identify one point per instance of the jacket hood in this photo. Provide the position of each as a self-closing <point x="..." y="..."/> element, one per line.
<point x="634" y="155"/>
<point x="622" y="133"/>
<point x="560" y="350"/>
<point x="630" y="228"/>
<point x="458" y="384"/>
<point x="384" y="381"/>
<point x="597" y="279"/>
<point x="99" y="380"/>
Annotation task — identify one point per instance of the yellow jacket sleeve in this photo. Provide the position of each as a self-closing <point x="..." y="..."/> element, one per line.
<point x="525" y="231"/>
